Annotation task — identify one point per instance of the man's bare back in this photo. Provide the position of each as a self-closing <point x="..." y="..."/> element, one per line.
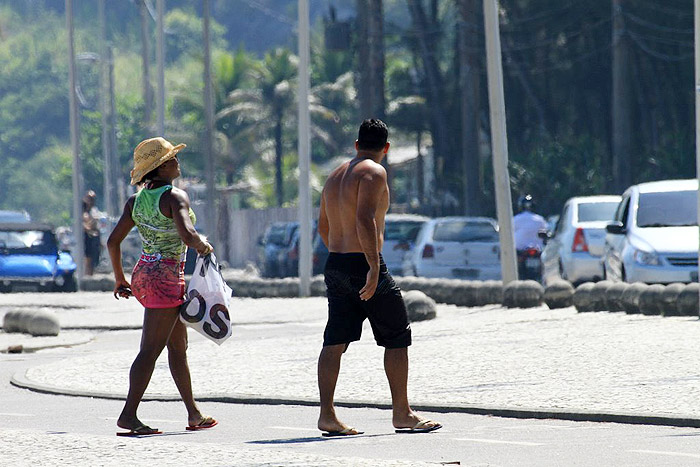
<point x="355" y="191"/>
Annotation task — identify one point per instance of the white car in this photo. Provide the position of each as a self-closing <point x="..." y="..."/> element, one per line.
<point x="654" y="235"/>
<point x="456" y="248"/>
<point x="575" y="248"/>
<point x="400" y="232"/>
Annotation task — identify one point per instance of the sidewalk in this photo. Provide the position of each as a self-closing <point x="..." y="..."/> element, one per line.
<point x="512" y="362"/>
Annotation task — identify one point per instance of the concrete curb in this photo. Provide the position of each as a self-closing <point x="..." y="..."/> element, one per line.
<point x="20" y="380"/>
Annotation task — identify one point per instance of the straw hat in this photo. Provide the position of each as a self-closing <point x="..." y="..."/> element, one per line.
<point x="150" y="154"/>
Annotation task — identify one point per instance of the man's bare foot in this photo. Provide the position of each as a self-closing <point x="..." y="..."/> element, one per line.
<point x="333" y="425"/>
<point x="411" y="422"/>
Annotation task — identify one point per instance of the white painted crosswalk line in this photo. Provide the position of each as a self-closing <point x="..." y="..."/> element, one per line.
<point x="8" y="414"/>
<point x="499" y="441"/>
<point x="292" y="428"/>
<point x="666" y="453"/>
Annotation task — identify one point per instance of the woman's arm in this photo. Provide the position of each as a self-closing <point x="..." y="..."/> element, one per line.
<point x="179" y="204"/>
<point x="121" y="230"/>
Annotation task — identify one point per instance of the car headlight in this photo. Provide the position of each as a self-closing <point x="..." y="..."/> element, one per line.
<point x="646" y="258"/>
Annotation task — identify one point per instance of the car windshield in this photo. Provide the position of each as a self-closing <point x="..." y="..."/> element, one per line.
<point x="465" y="231"/>
<point x="402" y="231"/>
<point x="668" y="209"/>
<point x="591" y="212"/>
<point x="28" y="241"/>
<point x="278" y="235"/>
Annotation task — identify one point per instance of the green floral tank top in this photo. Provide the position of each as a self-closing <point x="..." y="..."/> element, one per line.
<point x="158" y="232"/>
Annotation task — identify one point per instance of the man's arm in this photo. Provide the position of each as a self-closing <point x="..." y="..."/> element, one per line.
<point x="323" y="226"/>
<point x="371" y="187"/>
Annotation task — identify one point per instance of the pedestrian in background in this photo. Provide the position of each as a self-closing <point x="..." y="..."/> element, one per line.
<point x="354" y="203"/>
<point x="165" y="222"/>
<point x="91" y="232"/>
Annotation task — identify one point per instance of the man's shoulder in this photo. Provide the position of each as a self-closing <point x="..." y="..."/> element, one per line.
<point x="369" y="167"/>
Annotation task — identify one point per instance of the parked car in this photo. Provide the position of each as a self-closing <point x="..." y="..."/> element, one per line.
<point x="14" y="217"/>
<point x="289" y="260"/>
<point x="574" y="248"/>
<point x="320" y="255"/>
<point x="654" y="235"/>
<point x="272" y="244"/>
<point x="400" y="233"/>
<point x="30" y="257"/>
<point x="457" y="248"/>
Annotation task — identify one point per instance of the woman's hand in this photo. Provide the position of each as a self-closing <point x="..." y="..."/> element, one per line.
<point x="204" y="248"/>
<point x="122" y="289"/>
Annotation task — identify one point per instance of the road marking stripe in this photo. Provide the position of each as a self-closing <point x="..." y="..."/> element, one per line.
<point x="666" y="453"/>
<point x="499" y="441"/>
<point x="150" y="420"/>
<point x="292" y="428"/>
<point x="18" y="414"/>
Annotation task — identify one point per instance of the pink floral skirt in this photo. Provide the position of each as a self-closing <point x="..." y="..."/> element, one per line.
<point x="158" y="282"/>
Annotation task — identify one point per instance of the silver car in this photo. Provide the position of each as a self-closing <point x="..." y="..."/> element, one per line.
<point x="400" y="232"/>
<point x="654" y="235"/>
<point x="456" y="248"/>
<point x="575" y="249"/>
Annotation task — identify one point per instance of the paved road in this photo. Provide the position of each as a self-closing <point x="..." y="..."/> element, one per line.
<point x="481" y="357"/>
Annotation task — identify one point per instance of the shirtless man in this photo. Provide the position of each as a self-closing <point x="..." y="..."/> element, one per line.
<point x="351" y="223"/>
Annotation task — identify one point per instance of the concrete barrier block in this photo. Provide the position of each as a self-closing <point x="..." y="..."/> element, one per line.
<point x="669" y="299"/>
<point x="630" y="297"/>
<point x="613" y="296"/>
<point x="598" y="294"/>
<point x="465" y="294"/>
<point x="318" y="287"/>
<point x="419" y="306"/>
<point x="43" y="323"/>
<point x="559" y="294"/>
<point x="688" y="300"/>
<point x="24" y="317"/>
<point x="650" y="300"/>
<point x="583" y="300"/>
<point x="10" y="322"/>
<point x="523" y="294"/>
<point x="489" y="293"/>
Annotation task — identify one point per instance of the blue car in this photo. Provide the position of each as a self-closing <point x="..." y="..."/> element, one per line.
<point x="29" y="257"/>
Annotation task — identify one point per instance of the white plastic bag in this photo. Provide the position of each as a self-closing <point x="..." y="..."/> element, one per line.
<point x="208" y="297"/>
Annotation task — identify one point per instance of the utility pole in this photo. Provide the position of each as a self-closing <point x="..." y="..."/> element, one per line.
<point x="79" y="252"/>
<point x="160" y="52"/>
<point x="304" y="154"/>
<point x="146" y="65"/>
<point x="469" y="106"/>
<point x="211" y="210"/>
<point x="499" y="142"/>
<point x="697" y="98"/>
<point x="105" y="63"/>
<point x="621" y="101"/>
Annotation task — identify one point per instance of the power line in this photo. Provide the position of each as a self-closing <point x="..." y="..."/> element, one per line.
<point x="649" y="24"/>
<point x="656" y="54"/>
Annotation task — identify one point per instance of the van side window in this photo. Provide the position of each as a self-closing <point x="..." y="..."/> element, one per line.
<point x="561" y="222"/>
<point x="623" y="210"/>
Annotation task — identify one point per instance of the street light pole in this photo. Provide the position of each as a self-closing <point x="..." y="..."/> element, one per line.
<point x="211" y="210"/>
<point x="697" y="99"/>
<point x="160" y="52"/>
<point x="106" y="115"/>
<point x="499" y="142"/>
<point x="304" y="154"/>
<point x="79" y="251"/>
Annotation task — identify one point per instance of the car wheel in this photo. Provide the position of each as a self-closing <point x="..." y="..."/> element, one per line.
<point x="70" y="285"/>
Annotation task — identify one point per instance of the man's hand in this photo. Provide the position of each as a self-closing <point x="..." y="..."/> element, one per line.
<point x="370" y="287"/>
<point x="122" y="289"/>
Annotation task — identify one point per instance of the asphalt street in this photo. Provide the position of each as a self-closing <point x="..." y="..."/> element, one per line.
<point x="271" y="358"/>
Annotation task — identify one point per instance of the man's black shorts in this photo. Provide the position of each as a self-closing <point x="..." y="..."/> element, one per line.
<point x="345" y="276"/>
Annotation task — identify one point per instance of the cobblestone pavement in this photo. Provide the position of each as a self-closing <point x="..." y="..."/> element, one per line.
<point x="489" y="356"/>
<point x="59" y="448"/>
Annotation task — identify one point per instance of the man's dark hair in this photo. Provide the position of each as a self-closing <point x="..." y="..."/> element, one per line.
<point x="373" y="135"/>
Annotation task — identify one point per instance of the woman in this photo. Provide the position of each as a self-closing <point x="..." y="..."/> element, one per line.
<point x="165" y="222"/>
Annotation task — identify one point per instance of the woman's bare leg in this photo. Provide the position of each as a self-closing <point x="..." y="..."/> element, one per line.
<point x="180" y="371"/>
<point x="157" y="326"/>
